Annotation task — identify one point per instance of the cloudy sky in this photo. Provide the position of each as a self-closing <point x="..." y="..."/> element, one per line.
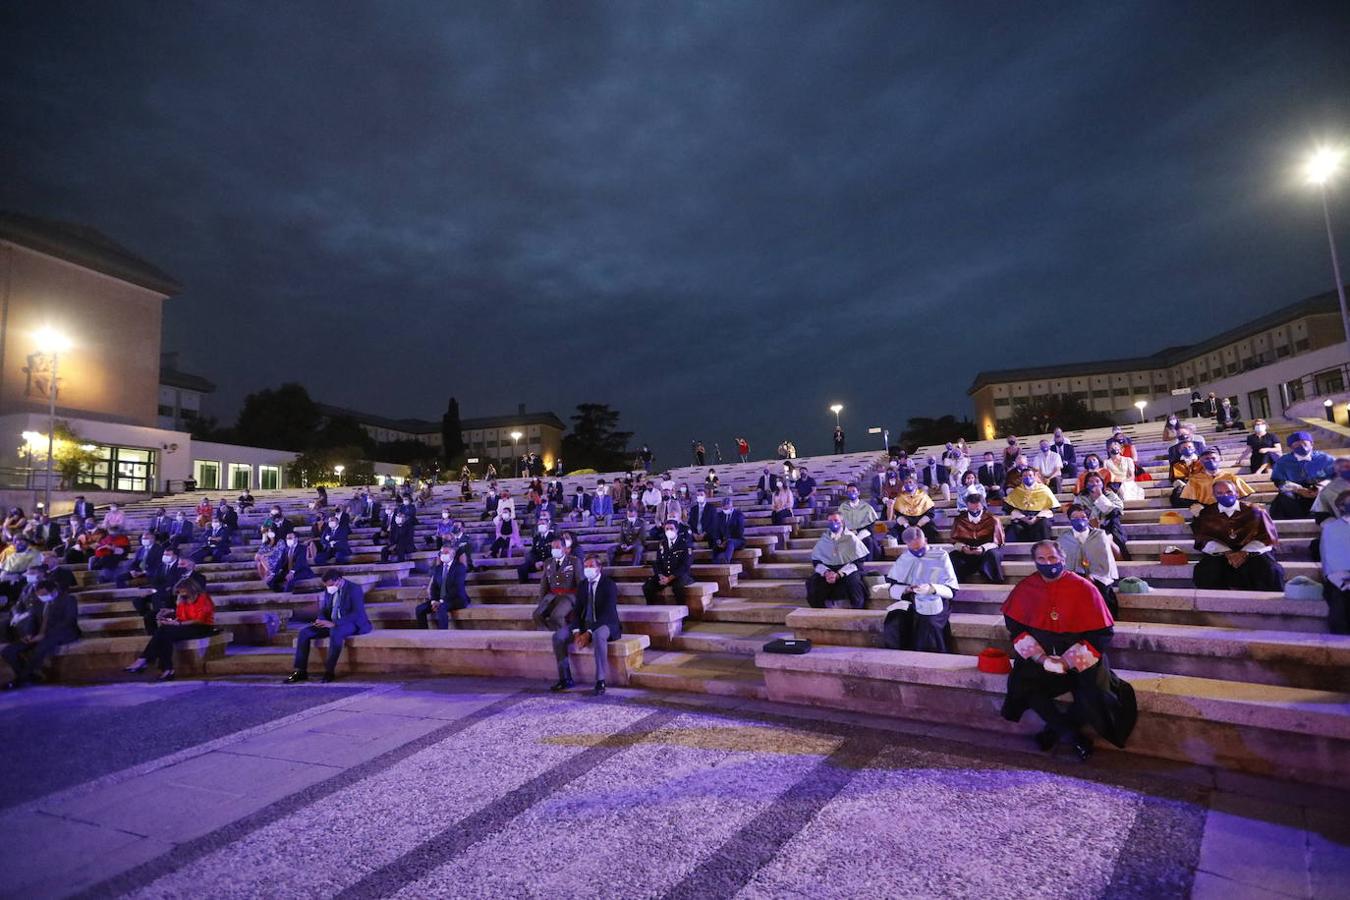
<point x="718" y="217"/>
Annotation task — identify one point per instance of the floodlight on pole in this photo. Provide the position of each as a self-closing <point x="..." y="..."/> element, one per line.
<point x="1139" y="405"/>
<point x="51" y="343"/>
<point x="1321" y="169"/>
<point x="837" y="408"/>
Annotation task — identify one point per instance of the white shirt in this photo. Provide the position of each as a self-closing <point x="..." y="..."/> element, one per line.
<point x="1049" y="463"/>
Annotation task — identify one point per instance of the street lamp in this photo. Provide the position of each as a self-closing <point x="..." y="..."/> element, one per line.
<point x="339" y="470"/>
<point x="1321" y="169"/>
<point x="51" y="342"/>
<point x="836" y="409"/>
<point x="515" y="446"/>
<point x="1327" y="406"/>
<point x="1139" y="405"/>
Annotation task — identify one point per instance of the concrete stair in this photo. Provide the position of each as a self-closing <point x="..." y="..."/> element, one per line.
<point x="722" y="674"/>
<point x="746" y="638"/>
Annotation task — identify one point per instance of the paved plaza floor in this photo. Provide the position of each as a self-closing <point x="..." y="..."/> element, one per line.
<point x="492" y="788"/>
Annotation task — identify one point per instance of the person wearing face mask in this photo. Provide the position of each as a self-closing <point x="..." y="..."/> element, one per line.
<point x="18" y="557"/>
<point x="333" y="544"/>
<point x="216" y="542"/>
<point x="670" y="507"/>
<point x="557" y="587"/>
<point x="54" y="623"/>
<point x="1186" y="467"/>
<point x="1324" y="507"/>
<point x="650" y="496"/>
<point x="923" y="583"/>
<point x="701" y="516"/>
<point x="292" y="564"/>
<point x="180" y="531"/>
<point x="1120" y="472"/>
<point x="913" y="508"/>
<point x="805" y="488"/>
<point x="143" y="564"/>
<point x="1049" y="465"/>
<point x="836" y="564"/>
<point x="160" y="523"/>
<point x="1198" y="489"/>
<point x="991" y="476"/>
<point x="505" y="534"/>
<point x="592" y="623"/>
<point x="1228" y="416"/>
<point x="1092" y="465"/>
<point x="400" y="542"/>
<point x="632" y="532"/>
<point x="490" y="501"/>
<point x="780" y="512"/>
<point x="25" y="613"/>
<point x="1170" y="428"/>
<point x="1237" y="544"/>
<point x="963" y="487"/>
<point x="342" y="615"/>
<point x="934" y="476"/>
<point x="1031" y="508"/>
<point x="1067" y="454"/>
<point x="858" y="518"/>
<point x="445" y="590"/>
<point x="1185" y="435"/>
<point x="766" y="485"/>
<point x="977" y="539"/>
<point x="277" y="523"/>
<point x="1299" y="475"/>
<point x="367" y="508"/>
<point x="171" y="571"/>
<point x="540" y="543"/>
<point x="1265" y="447"/>
<point x="191" y="617"/>
<point x="1335" y="552"/>
<point x="436" y="540"/>
<point x="711" y="483"/>
<point x="602" y="503"/>
<point x="670" y="569"/>
<point x="1104" y="509"/>
<point x="1088" y="552"/>
<point x="1060" y="628"/>
<point x="726" y="532"/>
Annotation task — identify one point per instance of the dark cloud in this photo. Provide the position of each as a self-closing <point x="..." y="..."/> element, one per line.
<point x="719" y="217"/>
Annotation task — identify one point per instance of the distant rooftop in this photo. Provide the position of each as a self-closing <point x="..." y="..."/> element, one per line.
<point x="87" y="247"/>
<point x="172" y="376"/>
<point x="1168" y="357"/>
<point x="424" y="426"/>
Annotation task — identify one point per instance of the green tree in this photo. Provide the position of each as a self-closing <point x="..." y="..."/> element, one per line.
<point x="344" y="431"/>
<point x="452" y="439"/>
<point x="283" y="419"/>
<point x="595" y="441"/>
<point x="923" y="431"/>
<point x="70" y="458"/>
<point x="1044" y="414"/>
<point x="318" y="467"/>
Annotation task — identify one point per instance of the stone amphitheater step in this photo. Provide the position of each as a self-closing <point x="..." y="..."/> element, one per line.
<point x="744" y="638"/>
<point x="736" y="609"/>
<point x="262" y="660"/>
<point x="723" y="674"/>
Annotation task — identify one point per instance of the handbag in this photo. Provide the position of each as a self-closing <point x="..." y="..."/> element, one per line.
<point x="787" y="645"/>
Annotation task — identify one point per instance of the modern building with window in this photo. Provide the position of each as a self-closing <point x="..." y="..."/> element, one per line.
<point x="489" y="440"/>
<point x="1294" y="353"/>
<point x="118" y="402"/>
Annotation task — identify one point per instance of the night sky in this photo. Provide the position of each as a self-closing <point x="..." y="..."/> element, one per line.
<point x="718" y="217"/>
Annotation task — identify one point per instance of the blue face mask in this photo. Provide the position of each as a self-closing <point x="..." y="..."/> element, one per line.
<point x="1210" y="465"/>
<point x="1226" y="499"/>
<point x="1028" y="481"/>
<point x="918" y="553"/>
<point x="1078" y="524"/>
<point x="853" y="495"/>
<point x="836" y="527"/>
<point x="1050" y="570"/>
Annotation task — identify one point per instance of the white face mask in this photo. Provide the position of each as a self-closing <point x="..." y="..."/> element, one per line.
<point x="399" y="520"/>
<point x="543" y="528"/>
<point x="445" y="559"/>
<point x="290" y="542"/>
<point x="592" y="573"/>
<point x="670" y="536"/>
<point x="168" y="560"/>
<point x="332" y="588"/>
<point x="445" y="516"/>
<point x="46" y="598"/>
<point x="557" y="553"/>
<point x="146" y="542"/>
<point x="31" y="579"/>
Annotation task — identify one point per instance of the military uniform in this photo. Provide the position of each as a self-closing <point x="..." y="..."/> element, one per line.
<point x="540" y="545"/>
<point x="672" y="560"/>
<point x="557" y="592"/>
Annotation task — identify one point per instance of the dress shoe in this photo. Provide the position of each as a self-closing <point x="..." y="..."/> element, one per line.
<point x="136" y="668"/>
<point x="166" y="675"/>
<point x="562" y="684"/>
<point x="328" y="678"/>
<point x="598" y="689"/>
<point x="1082" y="746"/>
<point x="296" y="677"/>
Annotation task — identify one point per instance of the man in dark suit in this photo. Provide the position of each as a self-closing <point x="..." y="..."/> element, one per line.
<point x="228" y="515"/>
<point x="701" y="516"/>
<point x="60" y="625"/>
<point x="180" y="532"/>
<point x="594" y="622"/>
<point x="670" y="569"/>
<point x="342" y="614"/>
<point x="445" y="591"/>
<point x="160" y="523"/>
<point x="144" y="563"/>
<point x="991" y="475"/>
<point x="367" y="509"/>
<point x="1066" y="453"/>
<point x="293" y="565"/>
<point x="334" y="543"/>
<point x="218" y="538"/>
<point x="171" y="571"/>
<point x="400" y="542"/>
<point x="726" y="534"/>
<point x="934" y="476"/>
<point x="1185" y="435"/>
<point x="765" y="487"/>
<point x="83" y="508"/>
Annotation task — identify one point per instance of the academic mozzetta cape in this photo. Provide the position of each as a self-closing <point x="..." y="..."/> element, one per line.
<point x="913" y="505"/>
<point x="1036" y="498"/>
<point x="1200" y="487"/>
<point x="988" y="530"/>
<point x="857" y="516"/>
<point x="1249" y="523"/>
<point x="934" y="568"/>
<point x="834" y="554"/>
<point x="1059" y="614"/>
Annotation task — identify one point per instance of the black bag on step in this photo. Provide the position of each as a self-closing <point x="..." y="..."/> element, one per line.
<point x="787" y="645"/>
